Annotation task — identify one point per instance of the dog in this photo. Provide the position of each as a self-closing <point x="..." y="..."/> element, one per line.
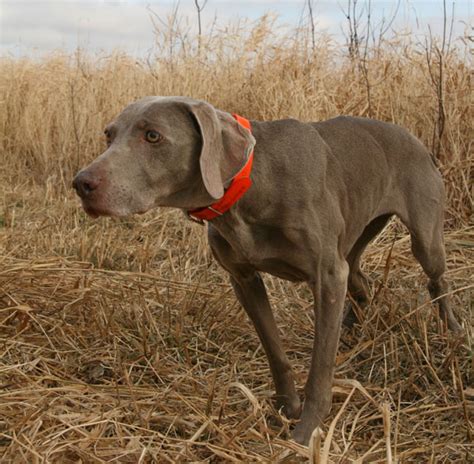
<point x="298" y="200"/>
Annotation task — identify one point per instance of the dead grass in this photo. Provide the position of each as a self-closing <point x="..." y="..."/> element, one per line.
<point x="121" y="340"/>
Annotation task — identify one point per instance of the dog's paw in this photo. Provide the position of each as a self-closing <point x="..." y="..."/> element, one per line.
<point x="349" y="317"/>
<point x="289" y="407"/>
<point x="302" y="433"/>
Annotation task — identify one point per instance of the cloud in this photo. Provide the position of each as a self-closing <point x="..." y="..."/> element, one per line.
<point x="45" y="25"/>
<point x="50" y="25"/>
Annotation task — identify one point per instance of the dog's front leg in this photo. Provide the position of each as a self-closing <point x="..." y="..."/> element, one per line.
<point x="329" y="290"/>
<point x="251" y="293"/>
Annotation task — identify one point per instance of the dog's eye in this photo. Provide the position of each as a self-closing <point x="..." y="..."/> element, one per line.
<point x="108" y="137"/>
<point x="152" y="136"/>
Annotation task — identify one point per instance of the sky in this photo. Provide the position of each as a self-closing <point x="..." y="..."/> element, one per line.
<point x="29" y="27"/>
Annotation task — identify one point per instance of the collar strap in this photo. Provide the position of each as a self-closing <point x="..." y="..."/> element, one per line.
<point x="239" y="185"/>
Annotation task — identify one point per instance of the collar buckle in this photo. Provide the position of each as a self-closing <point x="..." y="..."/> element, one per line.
<point x="194" y="219"/>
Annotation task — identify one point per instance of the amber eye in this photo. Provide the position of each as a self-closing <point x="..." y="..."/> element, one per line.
<point x="152" y="136"/>
<point x="108" y="138"/>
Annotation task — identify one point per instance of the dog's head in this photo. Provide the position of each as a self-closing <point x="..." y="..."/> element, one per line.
<point x="164" y="151"/>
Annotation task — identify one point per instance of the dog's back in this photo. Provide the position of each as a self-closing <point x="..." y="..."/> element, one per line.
<point x="383" y="156"/>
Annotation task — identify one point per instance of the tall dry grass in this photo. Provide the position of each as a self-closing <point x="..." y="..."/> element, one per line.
<point x="121" y="340"/>
<point x="55" y="109"/>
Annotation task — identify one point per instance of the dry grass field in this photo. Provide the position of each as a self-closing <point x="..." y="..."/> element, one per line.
<point x="121" y="340"/>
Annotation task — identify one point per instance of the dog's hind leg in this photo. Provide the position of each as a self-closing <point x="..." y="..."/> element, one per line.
<point x="428" y="248"/>
<point x="424" y="220"/>
<point x="357" y="281"/>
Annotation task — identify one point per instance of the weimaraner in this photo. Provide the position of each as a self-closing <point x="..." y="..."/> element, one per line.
<point x="318" y="193"/>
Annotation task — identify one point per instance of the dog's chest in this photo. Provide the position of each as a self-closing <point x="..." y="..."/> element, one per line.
<point x="288" y="253"/>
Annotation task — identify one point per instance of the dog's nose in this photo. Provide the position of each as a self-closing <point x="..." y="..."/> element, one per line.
<point x="85" y="183"/>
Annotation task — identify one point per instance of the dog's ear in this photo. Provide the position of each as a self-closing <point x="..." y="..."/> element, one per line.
<point x="226" y="146"/>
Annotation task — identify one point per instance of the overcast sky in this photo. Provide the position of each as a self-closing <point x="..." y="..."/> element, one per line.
<point x="31" y="27"/>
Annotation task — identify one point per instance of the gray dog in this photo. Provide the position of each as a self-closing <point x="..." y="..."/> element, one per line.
<point x="298" y="200"/>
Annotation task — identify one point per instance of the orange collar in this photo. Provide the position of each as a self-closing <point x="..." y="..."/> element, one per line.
<point x="239" y="185"/>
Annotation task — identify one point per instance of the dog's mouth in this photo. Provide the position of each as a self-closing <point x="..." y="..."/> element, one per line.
<point x="95" y="211"/>
<point x="113" y="202"/>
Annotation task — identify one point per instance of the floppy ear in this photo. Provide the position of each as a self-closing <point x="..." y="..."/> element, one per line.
<point x="226" y="146"/>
